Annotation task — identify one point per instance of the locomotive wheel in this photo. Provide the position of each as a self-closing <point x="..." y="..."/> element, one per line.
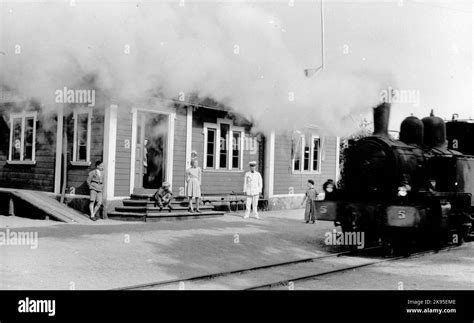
<point x="398" y="241"/>
<point x="357" y="222"/>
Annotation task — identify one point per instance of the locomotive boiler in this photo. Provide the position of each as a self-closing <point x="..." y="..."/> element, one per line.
<point x="405" y="191"/>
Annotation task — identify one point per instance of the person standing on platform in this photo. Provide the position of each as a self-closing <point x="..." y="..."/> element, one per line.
<point x="253" y="185"/>
<point x="193" y="180"/>
<point x="309" y="197"/>
<point x="95" y="182"/>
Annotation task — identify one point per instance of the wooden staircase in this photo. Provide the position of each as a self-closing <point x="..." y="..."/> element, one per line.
<point x="140" y="207"/>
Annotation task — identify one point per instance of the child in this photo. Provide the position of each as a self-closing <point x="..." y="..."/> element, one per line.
<point x="309" y="197"/>
<point x="329" y="188"/>
<point x="163" y="197"/>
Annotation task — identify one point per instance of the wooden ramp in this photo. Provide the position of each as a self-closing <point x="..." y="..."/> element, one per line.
<point x="45" y="203"/>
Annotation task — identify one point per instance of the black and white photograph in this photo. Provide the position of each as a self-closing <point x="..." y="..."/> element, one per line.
<point x="161" y="150"/>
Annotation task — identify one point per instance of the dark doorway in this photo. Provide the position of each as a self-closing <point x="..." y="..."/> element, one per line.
<point x="151" y="152"/>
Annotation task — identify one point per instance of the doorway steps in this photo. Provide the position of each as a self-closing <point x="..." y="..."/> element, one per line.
<point x="140" y="207"/>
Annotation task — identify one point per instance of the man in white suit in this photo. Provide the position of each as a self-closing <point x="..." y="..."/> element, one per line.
<point x="252" y="189"/>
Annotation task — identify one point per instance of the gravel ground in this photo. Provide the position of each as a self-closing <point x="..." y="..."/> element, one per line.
<point x="110" y="254"/>
<point x="451" y="269"/>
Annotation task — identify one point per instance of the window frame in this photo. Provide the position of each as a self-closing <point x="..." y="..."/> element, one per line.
<point x="313" y="137"/>
<point x="302" y="145"/>
<point x="206" y="128"/>
<point x="74" y="161"/>
<point x="23" y="115"/>
<point x="217" y="145"/>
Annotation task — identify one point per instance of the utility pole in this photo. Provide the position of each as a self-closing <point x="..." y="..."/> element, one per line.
<point x="322" y="34"/>
<point x="311" y="71"/>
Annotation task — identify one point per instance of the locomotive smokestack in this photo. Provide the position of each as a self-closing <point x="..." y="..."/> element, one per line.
<point x="381" y="118"/>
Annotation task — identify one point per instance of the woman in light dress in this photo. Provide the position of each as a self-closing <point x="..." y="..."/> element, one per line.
<point x="193" y="179"/>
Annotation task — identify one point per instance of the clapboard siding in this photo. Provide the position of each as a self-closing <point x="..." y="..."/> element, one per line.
<point x="77" y="175"/>
<point x="218" y="181"/>
<point x="285" y="182"/>
<point x="40" y="176"/>
<point x="123" y="154"/>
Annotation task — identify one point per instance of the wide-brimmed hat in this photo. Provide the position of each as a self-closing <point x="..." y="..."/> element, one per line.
<point x="166" y="184"/>
<point x="253" y="163"/>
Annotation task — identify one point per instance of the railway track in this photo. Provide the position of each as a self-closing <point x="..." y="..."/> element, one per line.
<point x="271" y="275"/>
<point x="288" y="282"/>
<point x="177" y="282"/>
<point x="241" y="278"/>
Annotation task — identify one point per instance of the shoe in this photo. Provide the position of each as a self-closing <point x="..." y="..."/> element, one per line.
<point x="170" y="209"/>
<point x="93" y="218"/>
<point x="257" y="217"/>
<point x="246" y="216"/>
<point x="312" y="222"/>
<point x="198" y="211"/>
<point x="190" y="211"/>
<point x="306" y="221"/>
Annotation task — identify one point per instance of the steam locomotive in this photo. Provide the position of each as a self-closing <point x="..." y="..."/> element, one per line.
<point x="404" y="192"/>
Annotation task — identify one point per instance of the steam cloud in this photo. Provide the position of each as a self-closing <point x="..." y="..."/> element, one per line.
<point x="132" y="51"/>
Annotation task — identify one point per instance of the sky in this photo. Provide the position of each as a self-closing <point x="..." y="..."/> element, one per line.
<point x="249" y="55"/>
<point x="427" y="46"/>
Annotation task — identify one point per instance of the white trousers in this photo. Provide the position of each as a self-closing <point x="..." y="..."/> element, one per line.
<point x="252" y="200"/>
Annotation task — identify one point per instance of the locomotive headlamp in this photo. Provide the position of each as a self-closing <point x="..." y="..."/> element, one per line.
<point x="403" y="190"/>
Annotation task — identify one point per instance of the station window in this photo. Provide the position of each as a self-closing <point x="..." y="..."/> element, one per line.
<point x="22" y="137"/>
<point x="211" y="148"/>
<point x="82" y="136"/>
<point x="306" y="153"/>
<point x="223" y="146"/>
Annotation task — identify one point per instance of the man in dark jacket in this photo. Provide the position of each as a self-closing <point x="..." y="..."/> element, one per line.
<point x="95" y="181"/>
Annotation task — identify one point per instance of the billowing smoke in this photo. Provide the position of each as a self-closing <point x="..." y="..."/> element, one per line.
<point x="129" y="52"/>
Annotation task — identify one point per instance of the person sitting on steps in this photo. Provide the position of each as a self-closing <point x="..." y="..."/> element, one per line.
<point x="163" y="197"/>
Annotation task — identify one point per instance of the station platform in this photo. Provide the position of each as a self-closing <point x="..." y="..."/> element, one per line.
<point x="108" y="254"/>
